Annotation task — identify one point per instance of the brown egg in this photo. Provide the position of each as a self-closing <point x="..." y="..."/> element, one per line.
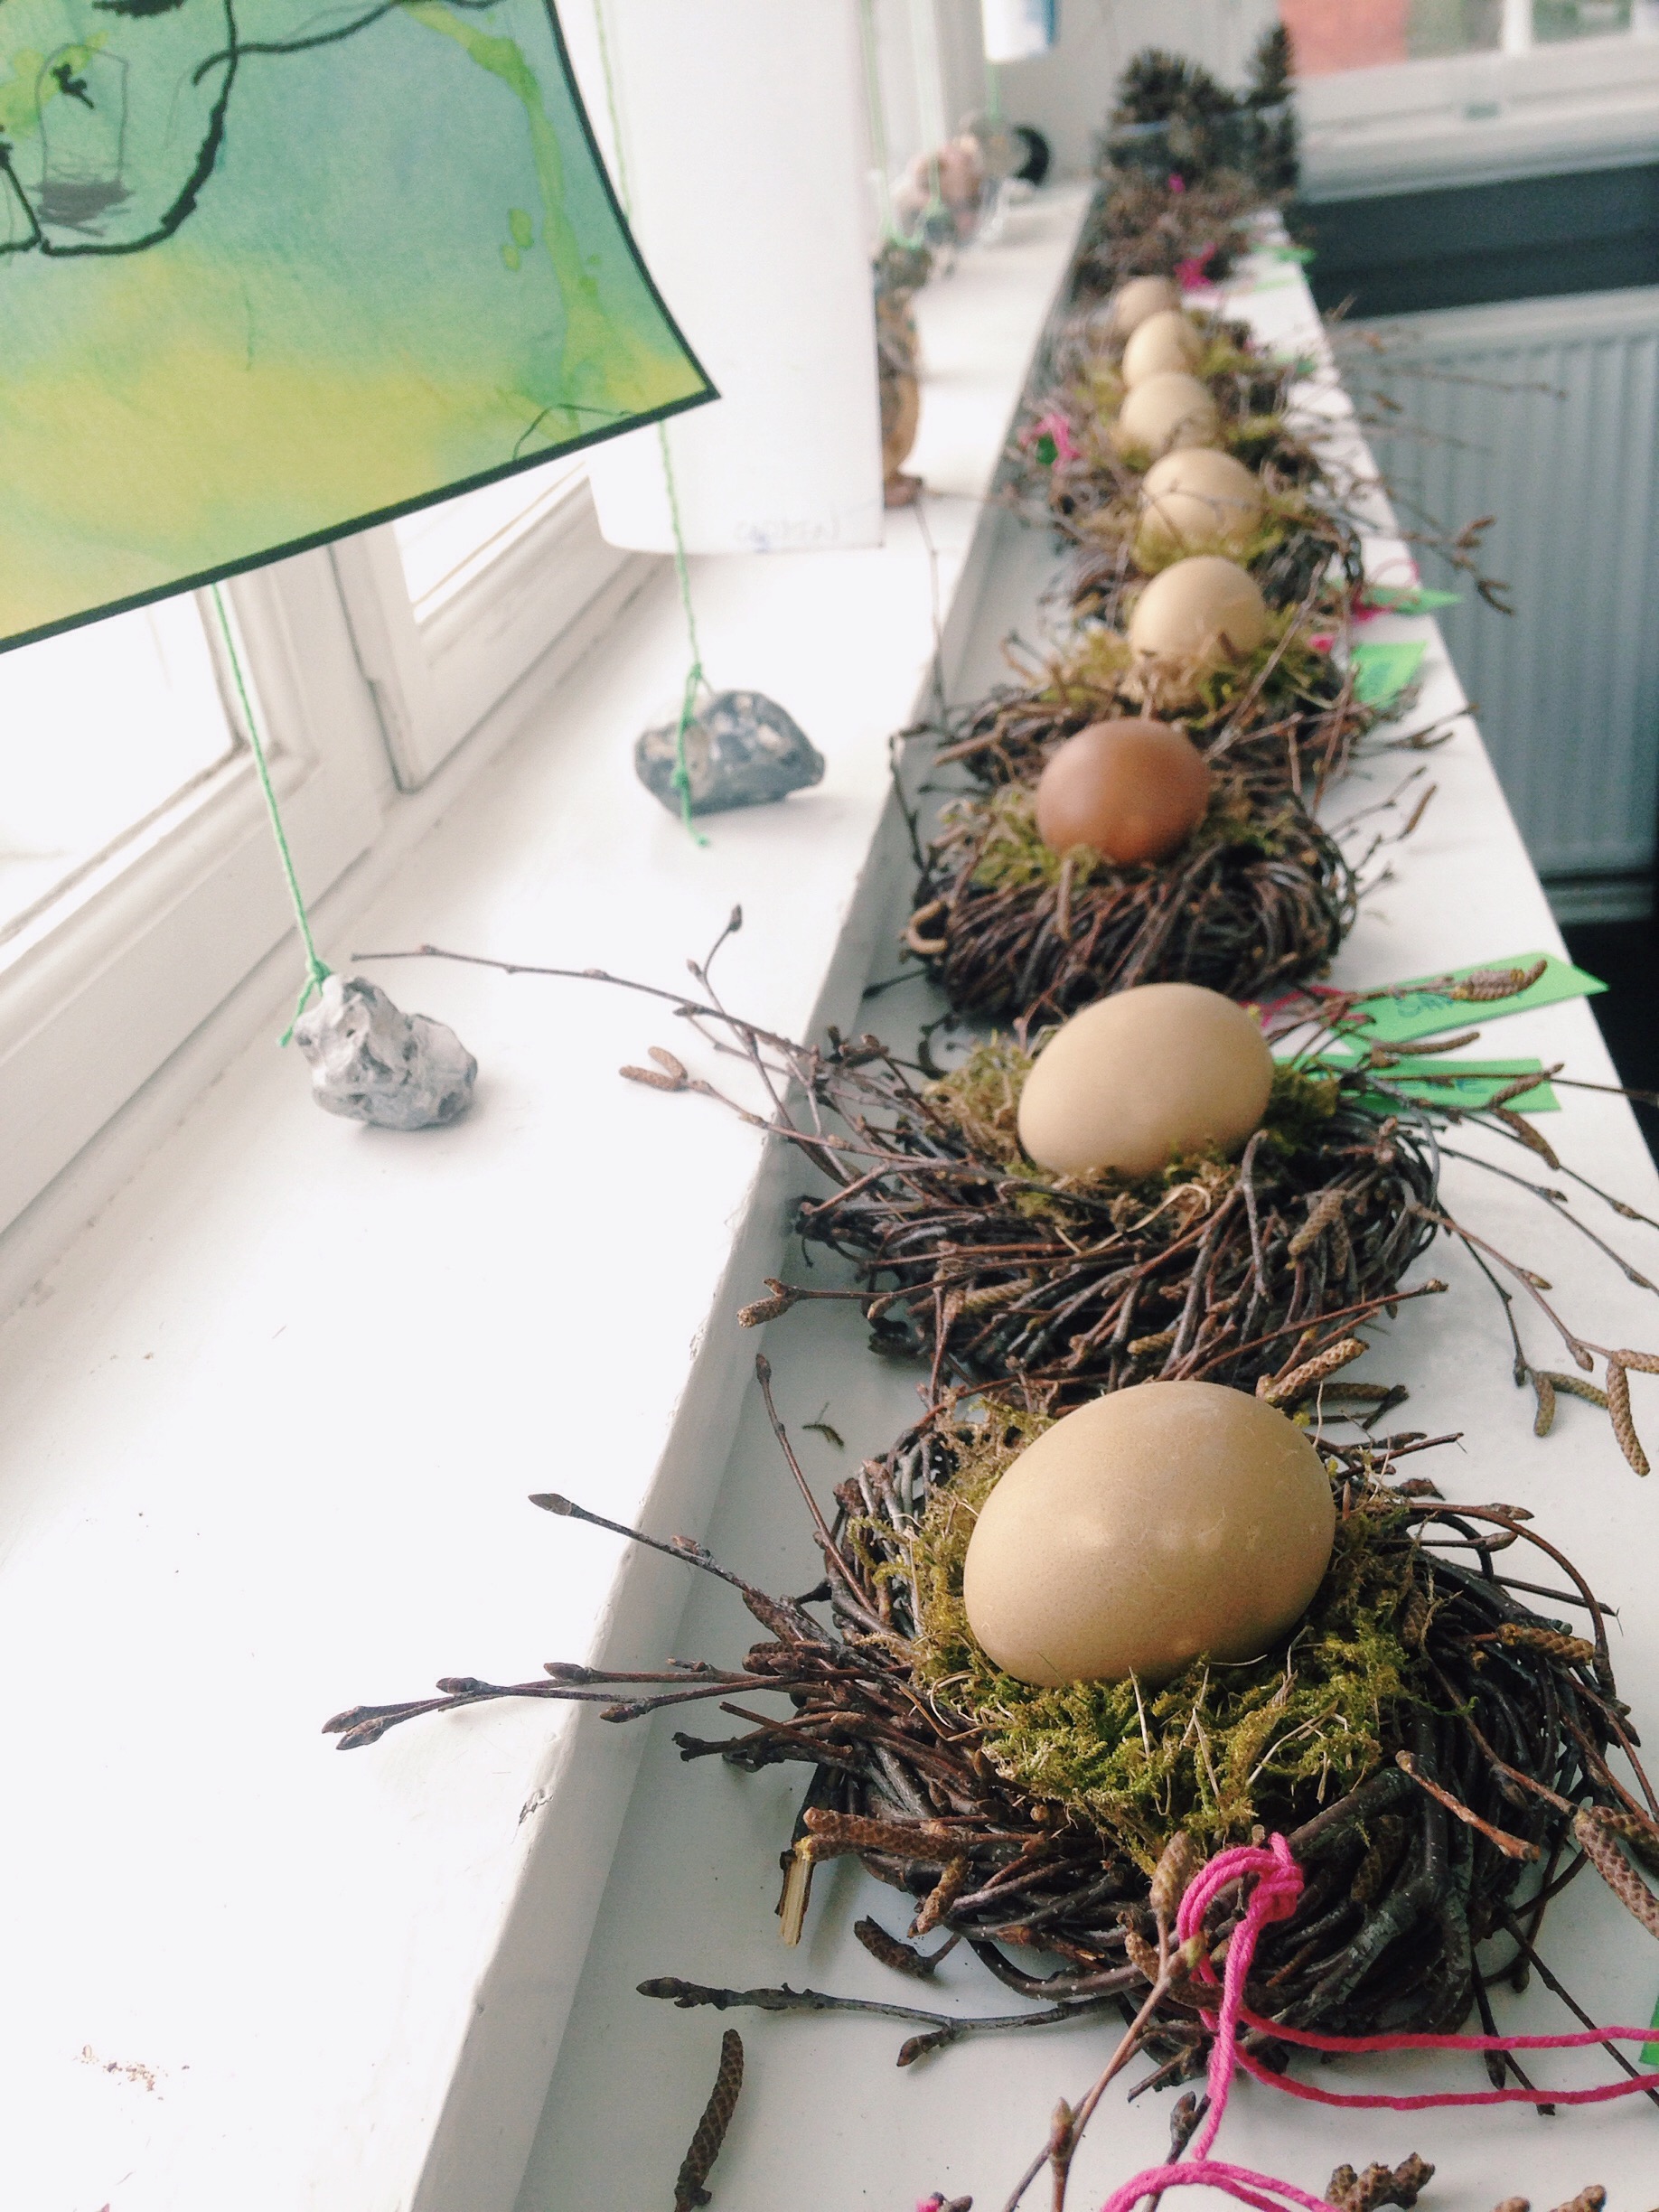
<point x="1196" y="501"/>
<point x="1166" y="410"/>
<point x="1152" y="1525"/>
<point x="1167" y="340"/>
<point x="1127" y="790"/>
<point x="1134" y="1081"/>
<point x="1141" y="296"/>
<point x="1203" y="613"/>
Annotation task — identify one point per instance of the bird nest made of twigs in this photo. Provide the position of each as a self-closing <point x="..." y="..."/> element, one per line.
<point x="1256" y="898"/>
<point x="1286" y="719"/>
<point x="1436" y="1750"/>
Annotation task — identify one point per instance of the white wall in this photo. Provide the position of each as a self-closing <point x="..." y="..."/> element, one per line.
<point x="1067" y="93"/>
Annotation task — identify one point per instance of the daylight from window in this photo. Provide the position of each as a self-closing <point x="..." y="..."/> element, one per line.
<point x="99" y="731"/>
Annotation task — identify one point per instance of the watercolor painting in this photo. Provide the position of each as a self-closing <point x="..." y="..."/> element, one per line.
<point x="271" y="270"/>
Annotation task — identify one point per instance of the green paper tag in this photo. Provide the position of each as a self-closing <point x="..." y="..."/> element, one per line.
<point x="1381" y="672"/>
<point x="1407" y="598"/>
<point x="1421" y="1007"/>
<point x="1466" y="1084"/>
<point x="1292" y="253"/>
<point x="1650" y="2052"/>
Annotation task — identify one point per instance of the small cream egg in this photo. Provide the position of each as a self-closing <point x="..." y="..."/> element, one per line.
<point x="1151" y="1526"/>
<point x="1135" y="1081"/>
<point x="1165" y="411"/>
<point x="1141" y="296"/>
<point x="1168" y="339"/>
<point x="1200" y="613"/>
<point x="1196" y="501"/>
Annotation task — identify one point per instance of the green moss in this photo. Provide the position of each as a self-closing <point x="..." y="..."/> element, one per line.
<point x="981" y="1098"/>
<point x="1220" y="1748"/>
<point x="1014" y="856"/>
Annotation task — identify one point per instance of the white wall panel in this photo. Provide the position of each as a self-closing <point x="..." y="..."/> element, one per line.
<point x="1568" y="690"/>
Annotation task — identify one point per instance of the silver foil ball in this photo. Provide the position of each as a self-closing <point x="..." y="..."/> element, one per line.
<point x="371" y="1062"/>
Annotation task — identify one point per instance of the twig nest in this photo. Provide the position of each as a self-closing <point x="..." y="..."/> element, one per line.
<point x="1152" y="1525"/>
<point x="742" y="749"/>
<point x="1137" y="1080"/>
<point x="1196" y="501"/>
<point x="372" y="1063"/>
<point x="1165" y="411"/>
<point x="1127" y="790"/>
<point x="1136" y="301"/>
<point x="1198" y="616"/>
<point x="1167" y="340"/>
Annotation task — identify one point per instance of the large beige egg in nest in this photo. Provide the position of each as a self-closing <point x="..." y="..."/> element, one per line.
<point x="1196" y="501"/>
<point x="1141" y="297"/>
<point x="1169" y="340"/>
<point x="1128" y="790"/>
<point x="1166" y="410"/>
<point x="1199" y="613"/>
<point x="1153" y="1525"/>
<point x="1137" y="1080"/>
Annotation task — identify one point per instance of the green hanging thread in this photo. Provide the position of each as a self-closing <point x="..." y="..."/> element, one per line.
<point x="695" y="678"/>
<point x="316" y="970"/>
<point x="878" y="121"/>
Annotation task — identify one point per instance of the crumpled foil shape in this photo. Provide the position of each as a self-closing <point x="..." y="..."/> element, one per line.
<point x="371" y="1062"/>
<point x="741" y="750"/>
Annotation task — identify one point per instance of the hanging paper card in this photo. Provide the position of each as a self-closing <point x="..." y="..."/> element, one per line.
<point x="1471" y="995"/>
<point x="1381" y="672"/>
<point x="267" y="274"/>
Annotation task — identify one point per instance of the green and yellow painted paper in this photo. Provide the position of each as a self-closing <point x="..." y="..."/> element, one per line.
<point x="270" y="270"/>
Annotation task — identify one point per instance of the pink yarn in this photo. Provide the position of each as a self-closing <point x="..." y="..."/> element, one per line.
<point x="1278" y="1889"/>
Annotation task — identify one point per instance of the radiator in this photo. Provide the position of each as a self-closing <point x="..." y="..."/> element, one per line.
<point x="1568" y="689"/>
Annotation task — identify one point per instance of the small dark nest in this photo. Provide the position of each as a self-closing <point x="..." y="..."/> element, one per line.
<point x="1435" y="1749"/>
<point x="1259" y="896"/>
<point x="1257" y="1272"/>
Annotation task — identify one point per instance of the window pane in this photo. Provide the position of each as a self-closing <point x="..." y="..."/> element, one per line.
<point x="1576" y="19"/>
<point x="1344" y="35"/>
<point x="99" y="729"/>
<point x="444" y="548"/>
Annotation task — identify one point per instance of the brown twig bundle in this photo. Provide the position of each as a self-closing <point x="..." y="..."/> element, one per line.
<point x="1258" y="897"/>
<point x="1477" y="1784"/>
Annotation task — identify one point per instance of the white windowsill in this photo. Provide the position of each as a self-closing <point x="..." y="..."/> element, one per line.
<point x="270" y="1422"/>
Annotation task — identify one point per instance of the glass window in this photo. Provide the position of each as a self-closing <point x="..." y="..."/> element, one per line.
<point x="1330" y="36"/>
<point x="100" y="730"/>
<point x="446" y="548"/>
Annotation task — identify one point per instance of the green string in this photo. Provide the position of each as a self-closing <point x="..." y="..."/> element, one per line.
<point x="993" y="91"/>
<point x="878" y="118"/>
<point x="316" y="973"/>
<point x="695" y="678"/>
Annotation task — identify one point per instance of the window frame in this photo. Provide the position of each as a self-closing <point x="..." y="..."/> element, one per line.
<point x="434" y="682"/>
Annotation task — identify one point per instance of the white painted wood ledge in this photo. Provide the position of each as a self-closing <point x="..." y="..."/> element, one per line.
<point x="269" y="1425"/>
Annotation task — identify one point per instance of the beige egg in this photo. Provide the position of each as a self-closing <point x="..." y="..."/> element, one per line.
<point x="1199" y="613"/>
<point x="1168" y="339"/>
<point x="1196" y="501"/>
<point x="1135" y="1081"/>
<point x="1151" y="1526"/>
<point x="1141" y="296"/>
<point x="1166" y="410"/>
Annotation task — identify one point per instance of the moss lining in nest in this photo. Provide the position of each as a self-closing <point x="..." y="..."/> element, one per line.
<point x="1013" y="855"/>
<point x="1221" y="1748"/>
<point x="981" y="1098"/>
